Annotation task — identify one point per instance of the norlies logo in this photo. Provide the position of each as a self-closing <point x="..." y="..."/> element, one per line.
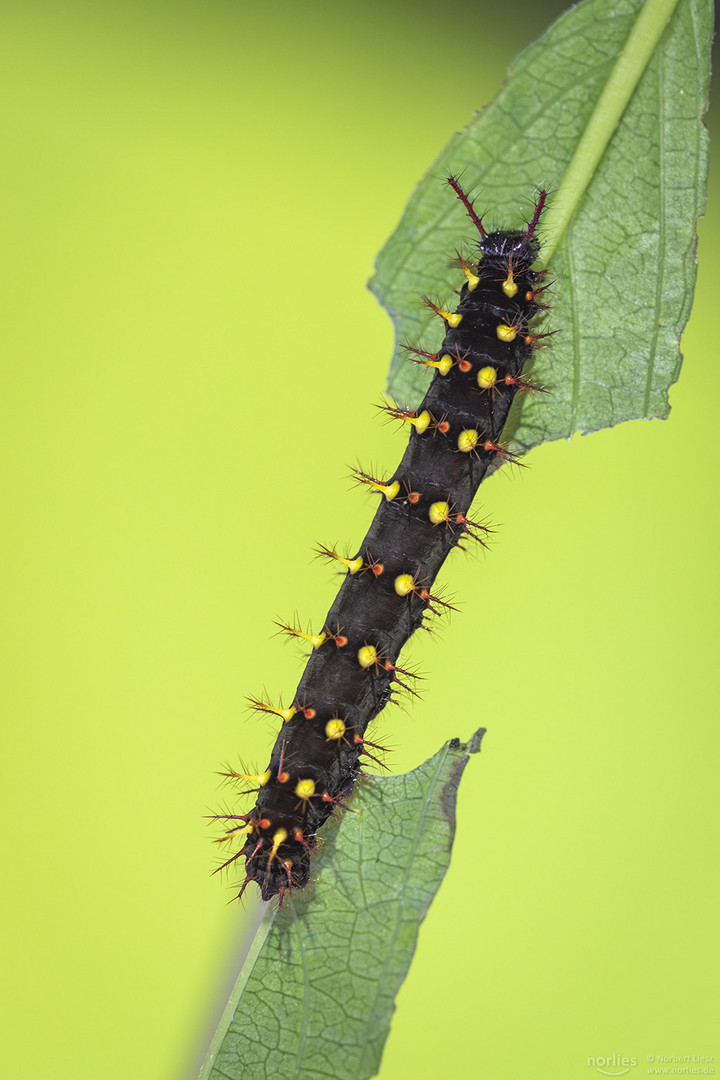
<point x="385" y="596"/>
<point x="613" y="1065"/>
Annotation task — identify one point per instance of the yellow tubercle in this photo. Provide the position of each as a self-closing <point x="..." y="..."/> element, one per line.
<point x="240" y="830"/>
<point x="353" y="565"/>
<point x="467" y="440"/>
<point x="473" y="279"/>
<point x="506" y="333"/>
<point x="439" y="512"/>
<point x="388" y="490"/>
<point x="367" y="656"/>
<point x="442" y="365"/>
<point x="316" y="640"/>
<point x="404" y="584"/>
<point x="279" y="837"/>
<point x="262" y="706"/>
<point x="452" y="318"/>
<point x="509" y="285"/>
<point x="253" y="778"/>
<point x="305" y="789"/>
<point x="422" y="422"/>
<point x="335" y="729"/>
<point x="487" y="377"/>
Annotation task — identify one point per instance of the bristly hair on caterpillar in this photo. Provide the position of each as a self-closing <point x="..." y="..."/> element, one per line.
<point x="352" y="670"/>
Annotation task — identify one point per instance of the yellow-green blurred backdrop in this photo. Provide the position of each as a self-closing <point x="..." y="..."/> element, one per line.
<point x="193" y="195"/>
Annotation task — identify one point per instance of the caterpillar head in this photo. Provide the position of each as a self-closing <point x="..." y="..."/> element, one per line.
<point x="515" y="245"/>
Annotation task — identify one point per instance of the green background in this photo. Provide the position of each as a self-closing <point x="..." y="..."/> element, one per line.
<point x="193" y="197"/>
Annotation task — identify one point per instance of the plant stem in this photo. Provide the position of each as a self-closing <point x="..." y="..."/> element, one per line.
<point x="262" y="931"/>
<point x="629" y="67"/>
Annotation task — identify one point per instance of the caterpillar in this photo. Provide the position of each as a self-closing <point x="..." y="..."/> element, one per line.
<point x="385" y="595"/>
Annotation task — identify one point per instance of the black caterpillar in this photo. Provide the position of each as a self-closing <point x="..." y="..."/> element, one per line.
<point x="385" y="595"/>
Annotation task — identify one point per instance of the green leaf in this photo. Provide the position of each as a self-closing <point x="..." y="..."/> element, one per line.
<point x="604" y="111"/>
<point x="316" y="995"/>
